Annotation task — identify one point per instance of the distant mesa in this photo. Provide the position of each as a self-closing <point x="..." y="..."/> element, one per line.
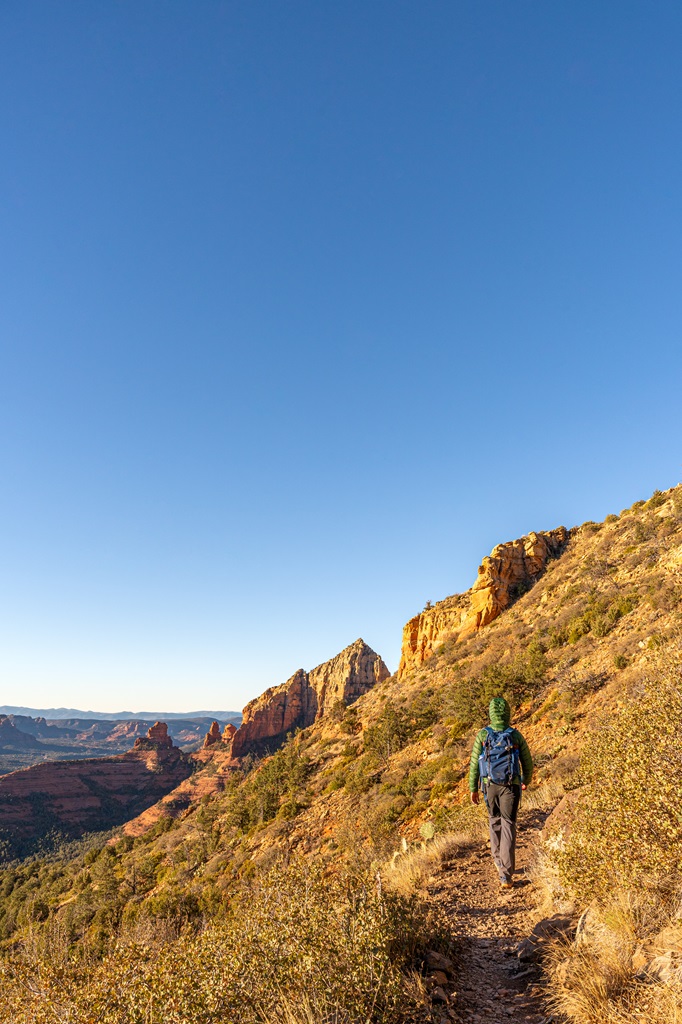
<point x="306" y="697"/>
<point x="60" y="714"/>
<point x="12" y="738"/>
<point x="70" y="797"/>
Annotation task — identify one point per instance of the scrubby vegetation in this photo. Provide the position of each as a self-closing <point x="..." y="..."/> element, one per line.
<point x="295" y="938"/>
<point x="276" y="896"/>
<point x="622" y="859"/>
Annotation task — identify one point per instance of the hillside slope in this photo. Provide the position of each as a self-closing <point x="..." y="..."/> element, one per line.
<point x="574" y="636"/>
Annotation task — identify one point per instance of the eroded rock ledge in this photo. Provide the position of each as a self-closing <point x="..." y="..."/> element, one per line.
<point x="307" y="696"/>
<point x="504" y="575"/>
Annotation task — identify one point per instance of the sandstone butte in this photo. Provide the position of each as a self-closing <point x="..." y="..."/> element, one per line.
<point x="504" y="575"/>
<point x="307" y="696"/>
<point x="73" y="797"/>
<point x="303" y="699"/>
<point x="213" y="735"/>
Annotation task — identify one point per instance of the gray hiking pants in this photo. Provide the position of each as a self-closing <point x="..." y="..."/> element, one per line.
<point x="503" y="806"/>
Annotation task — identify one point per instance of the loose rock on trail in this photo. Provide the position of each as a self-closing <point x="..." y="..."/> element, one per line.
<point x="496" y="977"/>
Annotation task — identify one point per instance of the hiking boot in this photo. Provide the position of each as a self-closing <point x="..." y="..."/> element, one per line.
<point x="506" y="884"/>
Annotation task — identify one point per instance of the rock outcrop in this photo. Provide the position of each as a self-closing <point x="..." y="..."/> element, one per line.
<point x="307" y="696"/>
<point x="228" y="732"/>
<point x="423" y="633"/>
<point x="157" y="736"/>
<point x="74" y="797"/>
<point x="213" y="735"/>
<point x="12" y="738"/>
<point x="503" y="576"/>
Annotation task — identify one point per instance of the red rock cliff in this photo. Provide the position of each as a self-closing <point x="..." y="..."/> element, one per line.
<point x="504" y="575"/>
<point x="73" y="797"/>
<point x="307" y="696"/>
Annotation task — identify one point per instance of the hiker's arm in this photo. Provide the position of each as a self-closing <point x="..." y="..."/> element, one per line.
<point x="473" y="764"/>
<point x="526" y="760"/>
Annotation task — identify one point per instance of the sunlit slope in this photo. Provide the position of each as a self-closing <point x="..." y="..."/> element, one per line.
<point x="394" y="762"/>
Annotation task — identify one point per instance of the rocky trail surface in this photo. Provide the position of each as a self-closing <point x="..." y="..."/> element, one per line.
<point x="496" y="978"/>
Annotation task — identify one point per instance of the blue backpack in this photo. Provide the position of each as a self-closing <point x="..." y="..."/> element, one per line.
<point x="499" y="761"/>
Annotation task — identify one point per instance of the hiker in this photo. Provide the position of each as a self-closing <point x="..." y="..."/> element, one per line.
<point x="502" y="763"/>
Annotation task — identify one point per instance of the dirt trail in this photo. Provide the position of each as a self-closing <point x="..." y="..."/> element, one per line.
<point x="494" y="985"/>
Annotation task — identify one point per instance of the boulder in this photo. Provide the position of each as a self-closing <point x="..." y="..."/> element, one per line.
<point x="437" y="962"/>
<point x="554" y="927"/>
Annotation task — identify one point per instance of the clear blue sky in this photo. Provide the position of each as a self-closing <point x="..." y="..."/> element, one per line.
<point x="304" y="307"/>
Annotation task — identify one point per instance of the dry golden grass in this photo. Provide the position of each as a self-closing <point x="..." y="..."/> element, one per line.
<point x="410" y="869"/>
<point x="298" y="946"/>
<point x="624" y="966"/>
<point x="621" y="859"/>
<point x="318" y="1008"/>
<point x="547" y="795"/>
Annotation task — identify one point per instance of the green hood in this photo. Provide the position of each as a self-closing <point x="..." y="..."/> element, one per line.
<point x="500" y="713"/>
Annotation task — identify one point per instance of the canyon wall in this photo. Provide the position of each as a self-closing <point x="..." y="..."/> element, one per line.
<point x="307" y="696"/>
<point x="503" y="576"/>
<point x="74" y="797"/>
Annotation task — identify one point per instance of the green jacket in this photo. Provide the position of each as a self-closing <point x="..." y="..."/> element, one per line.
<point x="500" y="714"/>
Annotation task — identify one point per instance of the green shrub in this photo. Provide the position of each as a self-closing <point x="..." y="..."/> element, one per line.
<point x="517" y="679"/>
<point x="337" y="781"/>
<point x="642" y="531"/>
<point x="578" y="628"/>
<point x="389" y="734"/>
<point x="362" y="775"/>
<point x="656" y="500"/>
<point x="599" y="616"/>
<point x="600" y="626"/>
<point x="350" y="723"/>
<point x="627" y="828"/>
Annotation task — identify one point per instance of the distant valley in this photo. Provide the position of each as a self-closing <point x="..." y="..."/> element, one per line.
<point x="29" y="736"/>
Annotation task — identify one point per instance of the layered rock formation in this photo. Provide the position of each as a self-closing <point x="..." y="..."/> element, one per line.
<point x="504" y="575"/>
<point x="73" y="797"/>
<point x="307" y="696"/>
<point x="157" y="736"/>
<point x="191" y="791"/>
